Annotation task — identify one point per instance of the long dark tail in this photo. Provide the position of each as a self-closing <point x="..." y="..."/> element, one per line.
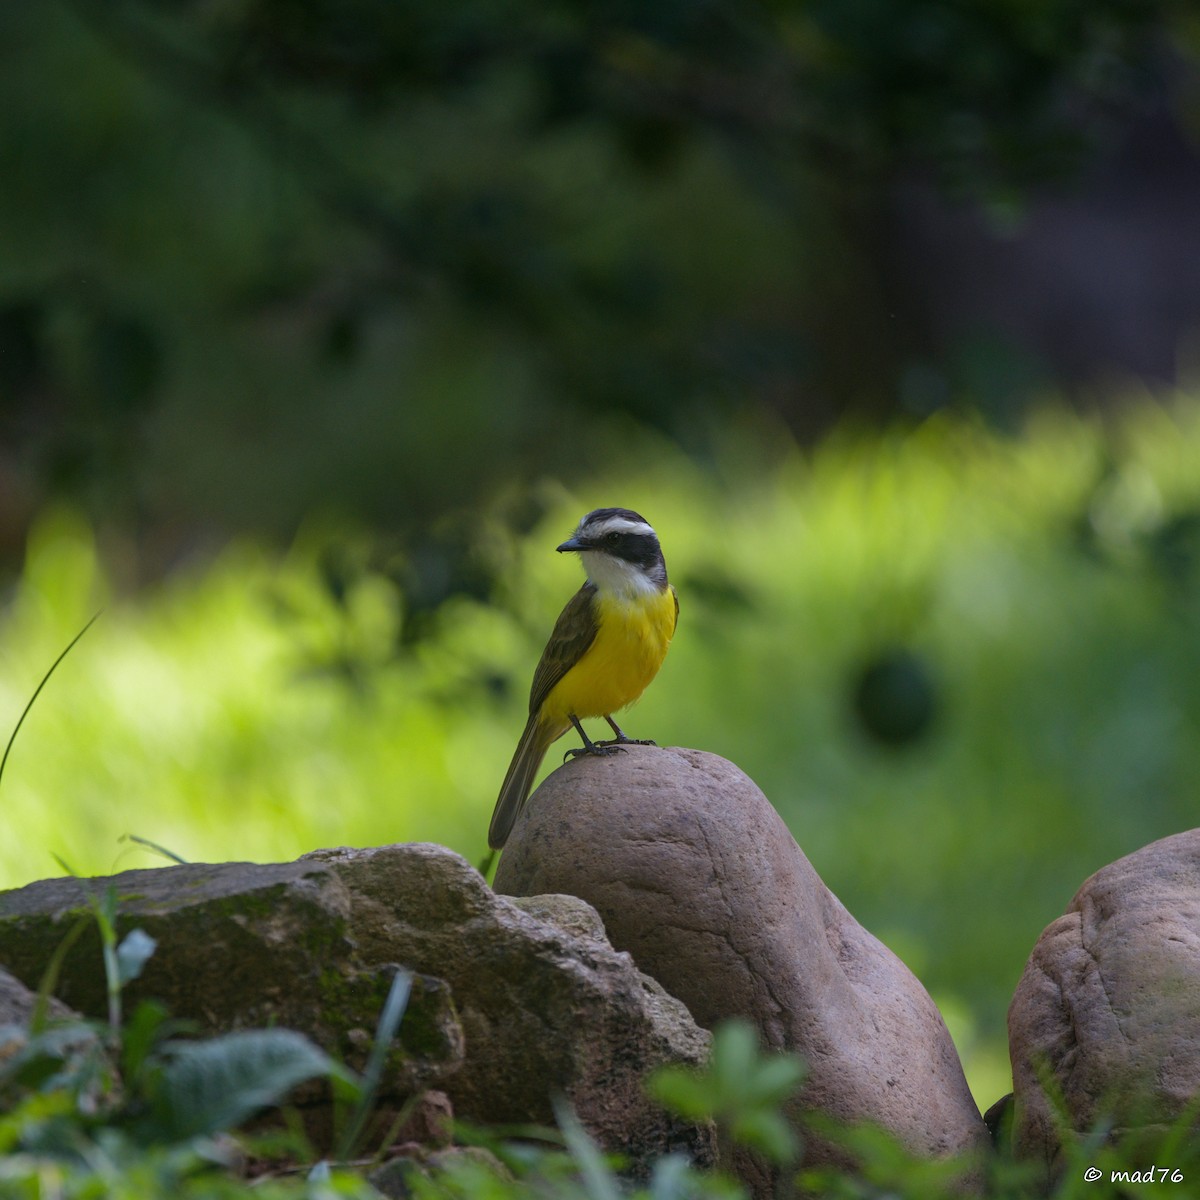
<point x="531" y="749"/>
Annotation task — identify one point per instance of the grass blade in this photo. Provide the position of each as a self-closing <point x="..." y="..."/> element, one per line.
<point x="12" y="737"/>
<point x="599" y="1182"/>
<point x="389" y="1021"/>
<point x="167" y="854"/>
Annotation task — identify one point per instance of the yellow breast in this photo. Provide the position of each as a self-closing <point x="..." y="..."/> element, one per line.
<point x="630" y="645"/>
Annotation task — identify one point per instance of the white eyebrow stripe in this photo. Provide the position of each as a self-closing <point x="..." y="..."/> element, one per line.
<point x="616" y="525"/>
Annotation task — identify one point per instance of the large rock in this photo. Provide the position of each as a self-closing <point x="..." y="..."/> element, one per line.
<point x="694" y="873"/>
<point x="507" y="1008"/>
<point x="1109" y="1003"/>
<point x="240" y="945"/>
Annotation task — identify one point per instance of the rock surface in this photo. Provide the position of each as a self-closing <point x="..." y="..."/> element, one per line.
<point x="17" y="1002"/>
<point x="1110" y="1001"/>
<point x="240" y="946"/>
<point x="17" y="1006"/>
<point x="507" y="1008"/>
<point x="694" y="873"/>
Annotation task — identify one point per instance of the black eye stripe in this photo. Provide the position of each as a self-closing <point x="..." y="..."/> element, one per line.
<point x="640" y="548"/>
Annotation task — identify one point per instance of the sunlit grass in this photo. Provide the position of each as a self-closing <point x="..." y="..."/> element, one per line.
<point x="1049" y="584"/>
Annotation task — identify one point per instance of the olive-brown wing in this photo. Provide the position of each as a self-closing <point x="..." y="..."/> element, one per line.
<point x="574" y="632"/>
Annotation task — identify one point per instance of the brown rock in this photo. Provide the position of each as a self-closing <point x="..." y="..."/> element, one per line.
<point x="566" y="912"/>
<point x="431" y="1122"/>
<point x="543" y="1009"/>
<point x="506" y="1008"/>
<point x="694" y="873"/>
<point x="1109" y="1002"/>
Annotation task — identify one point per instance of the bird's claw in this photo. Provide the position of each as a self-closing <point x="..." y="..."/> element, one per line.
<point x="599" y="749"/>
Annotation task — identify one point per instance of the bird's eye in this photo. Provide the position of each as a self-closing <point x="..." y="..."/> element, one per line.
<point x="612" y="538"/>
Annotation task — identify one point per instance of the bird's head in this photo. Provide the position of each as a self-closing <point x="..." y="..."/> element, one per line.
<point x="619" y="550"/>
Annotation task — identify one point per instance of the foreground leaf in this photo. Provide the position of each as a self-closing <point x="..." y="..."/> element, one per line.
<point x="215" y="1085"/>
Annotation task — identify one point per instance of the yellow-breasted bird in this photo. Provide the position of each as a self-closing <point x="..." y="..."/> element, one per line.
<point x="606" y="647"/>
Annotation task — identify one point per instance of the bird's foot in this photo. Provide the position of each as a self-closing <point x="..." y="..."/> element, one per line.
<point x="599" y="749"/>
<point x="621" y="738"/>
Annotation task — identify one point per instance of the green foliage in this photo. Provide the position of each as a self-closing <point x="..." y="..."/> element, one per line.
<point x="206" y="1087"/>
<point x="1154" y="1163"/>
<point x="131" y="1109"/>
<point x="742" y="1090"/>
<point x="1096" y="1162"/>
<point x="887" y="1170"/>
<point x="576" y="1171"/>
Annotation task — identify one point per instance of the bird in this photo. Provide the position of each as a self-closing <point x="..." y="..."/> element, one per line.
<point x="606" y="646"/>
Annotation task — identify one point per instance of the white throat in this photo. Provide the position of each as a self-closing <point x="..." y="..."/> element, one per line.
<point x="616" y="577"/>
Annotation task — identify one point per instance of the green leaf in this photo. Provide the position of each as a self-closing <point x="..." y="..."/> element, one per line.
<point x="215" y="1085"/>
<point x="742" y="1089"/>
<point x="142" y="1035"/>
<point x="766" y="1130"/>
<point x="776" y="1079"/>
<point x="734" y="1056"/>
<point x="686" y="1092"/>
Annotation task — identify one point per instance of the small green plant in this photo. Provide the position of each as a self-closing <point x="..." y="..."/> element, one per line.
<point x="742" y="1090"/>
<point x="144" y="1113"/>
<point x="1128" y="1150"/>
<point x="133" y="1108"/>
<point x="886" y="1169"/>
<point x="566" y="1165"/>
<point x="364" y="1092"/>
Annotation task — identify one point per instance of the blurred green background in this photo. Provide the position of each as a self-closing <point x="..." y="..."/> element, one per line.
<point x="322" y="323"/>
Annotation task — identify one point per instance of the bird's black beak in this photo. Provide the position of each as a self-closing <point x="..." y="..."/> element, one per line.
<point x="572" y="543"/>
